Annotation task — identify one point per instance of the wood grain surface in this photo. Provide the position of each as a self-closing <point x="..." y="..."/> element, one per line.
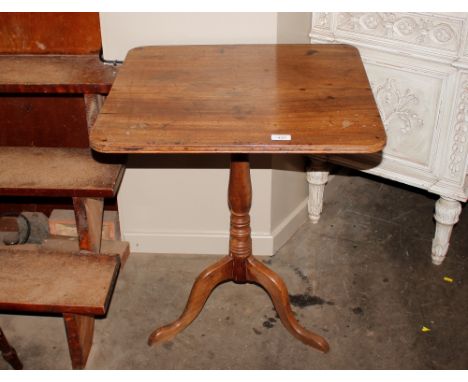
<point x="50" y="32"/>
<point x="231" y="99"/>
<point x="80" y="333"/>
<point x="47" y="171"/>
<point x="36" y="120"/>
<point x="55" y="74"/>
<point x="70" y="244"/>
<point x="88" y="216"/>
<point x="59" y="282"/>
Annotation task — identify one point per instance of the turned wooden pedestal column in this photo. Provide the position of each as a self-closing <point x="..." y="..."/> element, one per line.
<point x="239" y="266"/>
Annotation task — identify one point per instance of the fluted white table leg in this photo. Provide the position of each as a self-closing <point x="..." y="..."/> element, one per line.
<point x="446" y="215"/>
<point x="317" y="177"/>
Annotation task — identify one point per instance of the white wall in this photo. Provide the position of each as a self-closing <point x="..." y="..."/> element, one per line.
<point x="178" y="204"/>
<point x="123" y="31"/>
<point x="293" y="27"/>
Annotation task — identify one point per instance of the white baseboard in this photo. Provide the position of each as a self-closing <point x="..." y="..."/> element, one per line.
<point x="216" y="243"/>
<point x="290" y="224"/>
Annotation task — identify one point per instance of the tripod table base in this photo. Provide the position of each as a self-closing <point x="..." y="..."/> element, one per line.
<point x="256" y="273"/>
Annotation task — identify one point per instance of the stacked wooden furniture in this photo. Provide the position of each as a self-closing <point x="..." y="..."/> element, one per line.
<point x="76" y="285"/>
<point x="54" y="117"/>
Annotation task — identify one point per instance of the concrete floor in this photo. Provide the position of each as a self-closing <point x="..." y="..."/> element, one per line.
<point x="363" y="277"/>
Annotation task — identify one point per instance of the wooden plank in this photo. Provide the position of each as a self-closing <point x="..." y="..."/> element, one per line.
<point x="50" y="32"/>
<point x="80" y="330"/>
<point x="63" y="223"/>
<point x="49" y="121"/>
<point x="55" y="74"/>
<point x="41" y="171"/>
<point x="71" y="244"/>
<point x="232" y="99"/>
<point x="56" y="281"/>
<point x="88" y="216"/>
<point x="108" y="247"/>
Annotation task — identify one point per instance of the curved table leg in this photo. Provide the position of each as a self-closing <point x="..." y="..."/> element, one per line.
<point x="239" y="266"/>
<point x="205" y="283"/>
<point x="9" y="353"/>
<point x="276" y="288"/>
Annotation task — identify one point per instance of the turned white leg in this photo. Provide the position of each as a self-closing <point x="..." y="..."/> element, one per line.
<point x="317" y="176"/>
<point x="446" y="215"/>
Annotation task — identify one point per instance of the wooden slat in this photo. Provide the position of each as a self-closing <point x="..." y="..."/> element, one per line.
<point x="55" y="74"/>
<point x="56" y="281"/>
<point x="40" y="171"/>
<point x="108" y="247"/>
<point x="50" y="32"/>
<point x="231" y="99"/>
<point x="35" y="120"/>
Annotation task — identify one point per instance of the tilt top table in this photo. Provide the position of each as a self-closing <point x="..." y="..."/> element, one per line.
<point x="240" y="99"/>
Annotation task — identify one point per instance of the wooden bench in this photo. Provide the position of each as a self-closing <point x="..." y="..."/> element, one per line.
<point x="88" y="280"/>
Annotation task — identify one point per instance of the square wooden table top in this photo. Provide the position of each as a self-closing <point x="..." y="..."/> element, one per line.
<point x="307" y="99"/>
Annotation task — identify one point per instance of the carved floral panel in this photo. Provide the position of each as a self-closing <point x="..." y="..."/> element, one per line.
<point x="321" y="20"/>
<point x="408" y="104"/>
<point x="459" y="145"/>
<point x="465" y="50"/>
<point x="423" y="30"/>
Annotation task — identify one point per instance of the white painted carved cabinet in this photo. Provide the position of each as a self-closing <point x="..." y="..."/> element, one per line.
<point x="417" y="64"/>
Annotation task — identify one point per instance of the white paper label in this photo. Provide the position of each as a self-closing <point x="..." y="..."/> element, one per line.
<point x="280" y="137"/>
